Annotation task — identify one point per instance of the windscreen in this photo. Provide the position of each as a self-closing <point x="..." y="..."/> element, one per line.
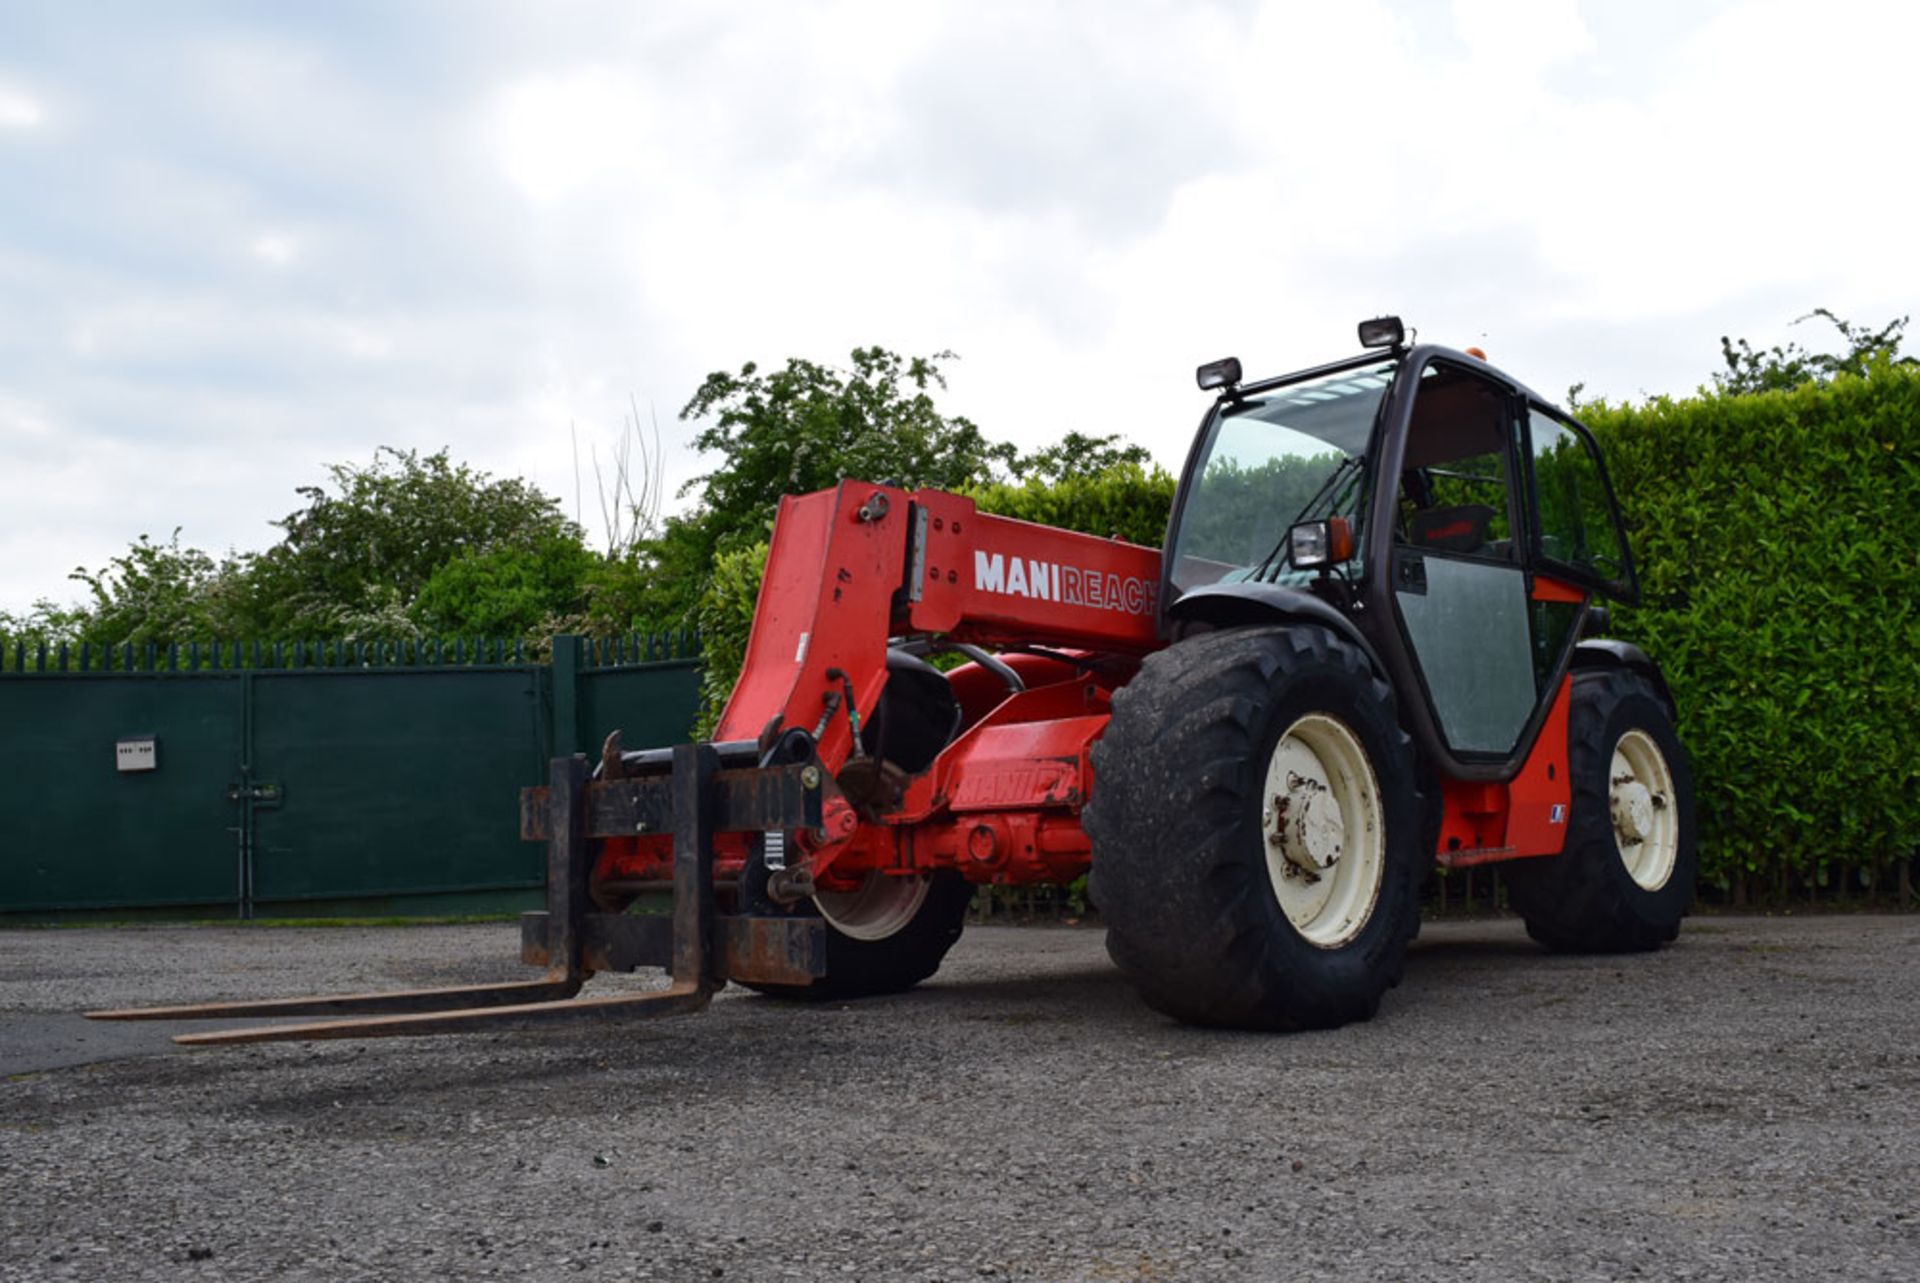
<point x="1272" y="459"/>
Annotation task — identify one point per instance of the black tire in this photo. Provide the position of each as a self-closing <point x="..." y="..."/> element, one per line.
<point x="1180" y="868"/>
<point x="1585" y="900"/>
<point x="912" y="722"/>
<point x="863" y="968"/>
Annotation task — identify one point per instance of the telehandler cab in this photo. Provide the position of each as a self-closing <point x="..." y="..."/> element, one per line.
<point x="1368" y="645"/>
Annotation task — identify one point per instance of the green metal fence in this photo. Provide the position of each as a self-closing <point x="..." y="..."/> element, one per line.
<point x="255" y="780"/>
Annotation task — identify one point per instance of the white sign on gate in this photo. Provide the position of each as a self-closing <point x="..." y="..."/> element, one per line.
<point x="137" y="754"/>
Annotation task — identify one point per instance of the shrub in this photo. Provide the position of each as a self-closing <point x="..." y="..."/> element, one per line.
<point x="725" y="618"/>
<point x="1124" y="501"/>
<point x="1777" y="538"/>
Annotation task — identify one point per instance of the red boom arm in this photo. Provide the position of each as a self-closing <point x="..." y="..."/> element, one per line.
<point x="852" y="567"/>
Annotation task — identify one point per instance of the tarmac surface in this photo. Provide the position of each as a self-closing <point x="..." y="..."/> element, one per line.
<point x="1744" y="1105"/>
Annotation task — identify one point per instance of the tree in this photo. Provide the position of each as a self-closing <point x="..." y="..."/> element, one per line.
<point x="1779" y="368"/>
<point x="794" y="430"/>
<point x="516" y="590"/>
<point x="806" y="426"/>
<point x="159" y="593"/>
<point x="356" y="558"/>
<point x="656" y="587"/>
<point x="1076" y="456"/>
<point x="401" y="547"/>
<point x="630" y="490"/>
<point x="410" y="545"/>
<point x="47" y="624"/>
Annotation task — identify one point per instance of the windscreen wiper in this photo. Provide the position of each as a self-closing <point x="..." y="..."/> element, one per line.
<point x="1274" y="560"/>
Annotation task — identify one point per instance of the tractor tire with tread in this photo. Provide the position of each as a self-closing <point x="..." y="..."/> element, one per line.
<point x="1180" y="831"/>
<point x="1588" y="898"/>
<point x="913" y="721"/>
<point x="859" y="968"/>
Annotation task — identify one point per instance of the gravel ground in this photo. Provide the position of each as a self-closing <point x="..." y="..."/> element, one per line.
<point x="1745" y="1105"/>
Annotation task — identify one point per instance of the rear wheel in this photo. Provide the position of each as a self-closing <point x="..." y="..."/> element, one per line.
<point x="1625" y="877"/>
<point x="1255" y="824"/>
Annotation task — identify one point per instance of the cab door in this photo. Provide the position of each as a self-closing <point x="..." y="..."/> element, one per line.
<point x="1459" y="585"/>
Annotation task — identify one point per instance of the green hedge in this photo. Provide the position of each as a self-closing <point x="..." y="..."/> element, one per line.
<point x="1125" y="501"/>
<point x="1777" y="538"/>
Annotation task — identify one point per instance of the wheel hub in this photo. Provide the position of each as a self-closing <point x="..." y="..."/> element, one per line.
<point x="1632" y="810"/>
<point x="877" y="908"/>
<point x="1306" y="824"/>
<point x="1323" y="830"/>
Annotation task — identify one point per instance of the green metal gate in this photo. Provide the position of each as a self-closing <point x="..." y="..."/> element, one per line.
<point x="391" y="783"/>
<point x="77" y="832"/>
<point x="318" y="779"/>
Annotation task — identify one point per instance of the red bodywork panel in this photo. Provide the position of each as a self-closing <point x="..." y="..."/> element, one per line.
<point x="1481" y="823"/>
<point x="851" y="567"/>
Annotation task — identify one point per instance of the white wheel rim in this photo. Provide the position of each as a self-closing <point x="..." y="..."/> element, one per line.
<point x="1324" y="830"/>
<point x="1646" y="825"/>
<point x="878" y="908"/>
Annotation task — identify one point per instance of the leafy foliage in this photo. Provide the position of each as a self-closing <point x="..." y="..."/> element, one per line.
<point x="725" y="619"/>
<point x="805" y="426"/>
<point x="1778" y="541"/>
<point x="155" y="593"/>
<point x="1077" y="456"/>
<point x="516" y="590"/>
<point x="657" y="586"/>
<point x="1778" y="368"/>
<point x="401" y="548"/>
<point x="794" y="430"/>
<point x="46" y="624"/>
<point x="1122" y="500"/>
<point x="411" y="545"/>
<point x="356" y="558"/>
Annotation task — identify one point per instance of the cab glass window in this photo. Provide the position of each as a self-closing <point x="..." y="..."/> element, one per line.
<point x="1271" y="459"/>
<point x="1454" y="475"/>
<point x="1575" y="508"/>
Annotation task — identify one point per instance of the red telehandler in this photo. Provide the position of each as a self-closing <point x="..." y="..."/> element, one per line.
<point x="1369" y="644"/>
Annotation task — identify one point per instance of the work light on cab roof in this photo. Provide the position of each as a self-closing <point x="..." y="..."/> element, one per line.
<point x="1383" y="331"/>
<point x="1219" y="374"/>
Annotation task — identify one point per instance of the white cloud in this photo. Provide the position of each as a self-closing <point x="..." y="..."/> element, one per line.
<point x="1510" y="38"/>
<point x="276" y="248"/>
<point x="18" y="110"/>
<point x="563" y="132"/>
<point x="481" y="233"/>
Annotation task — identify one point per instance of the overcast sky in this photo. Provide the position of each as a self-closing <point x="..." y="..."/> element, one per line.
<point x="238" y="242"/>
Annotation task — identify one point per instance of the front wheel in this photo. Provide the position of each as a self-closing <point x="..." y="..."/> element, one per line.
<point x="1255" y="823"/>
<point x="1625" y="877"/>
<point x="888" y="934"/>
